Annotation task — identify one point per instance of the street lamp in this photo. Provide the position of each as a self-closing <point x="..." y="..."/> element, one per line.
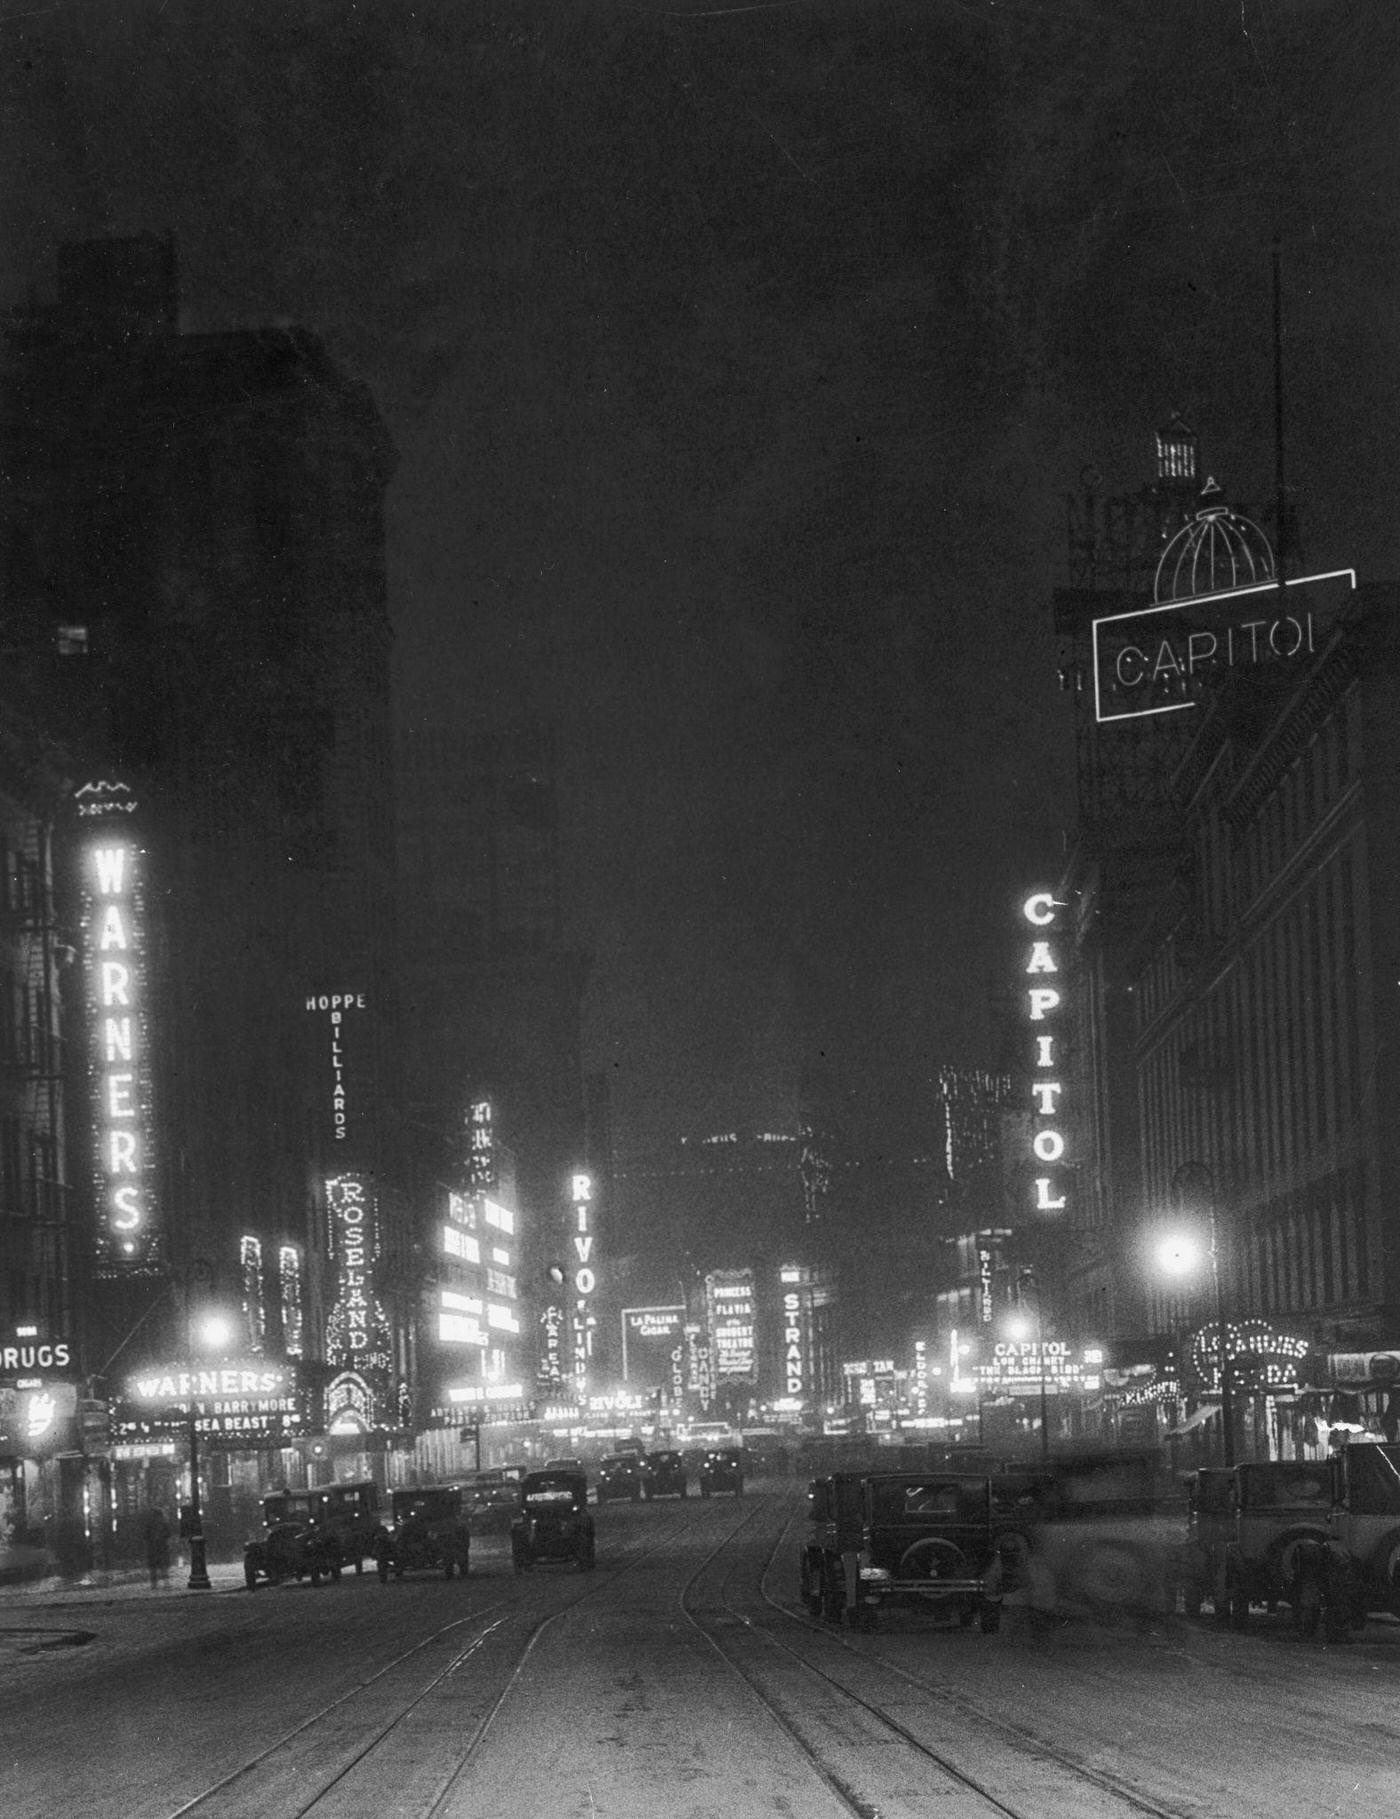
<point x="1027" y="1279"/>
<point x="210" y="1332"/>
<point x="1180" y="1254"/>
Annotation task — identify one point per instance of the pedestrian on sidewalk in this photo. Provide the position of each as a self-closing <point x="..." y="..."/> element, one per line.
<point x="157" y="1534"/>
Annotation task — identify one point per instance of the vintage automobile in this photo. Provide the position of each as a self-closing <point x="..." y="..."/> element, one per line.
<point x="350" y="1512"/>
<point x="293" y="1544"/>
<point x="722" y="1469"/>
<point x="1100" y="1532"/>
<point x="620" y="1475"/>
<point x="554" y="1523"/>
<point x="932" y="1541"/>
<point x="665" y="1475"/>
<point x="429" y="1533"/>
<point x="1245" y="1526"/>
<point x="1338" y="1558"/>
<point x="493" y="1500"/>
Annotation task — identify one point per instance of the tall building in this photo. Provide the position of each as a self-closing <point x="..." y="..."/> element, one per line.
<point x="1232" y="1023"/>
<point x="195" y="556"/>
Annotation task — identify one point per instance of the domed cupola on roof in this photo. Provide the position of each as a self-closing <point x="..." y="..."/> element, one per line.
<point x="1216" y="551"/>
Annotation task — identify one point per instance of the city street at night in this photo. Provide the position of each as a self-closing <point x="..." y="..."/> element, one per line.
<point x="681" y="1676"/>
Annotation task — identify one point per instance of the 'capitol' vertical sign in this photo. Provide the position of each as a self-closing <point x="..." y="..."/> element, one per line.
<point x="114" y="951"/>
<point x="1045" y="1006"/>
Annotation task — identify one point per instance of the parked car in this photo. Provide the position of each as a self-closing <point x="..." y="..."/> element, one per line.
<point x="620" y="1475"/>
<point x="429" y="1533"/>
<point x="665" y="1475"/>
<point x="292" y="1544"/>
<point x="722" y="1470"/>
<point x="554" y="1522"/>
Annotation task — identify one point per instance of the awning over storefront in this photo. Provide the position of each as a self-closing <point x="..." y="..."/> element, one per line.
<point x="1353" y="1371"/>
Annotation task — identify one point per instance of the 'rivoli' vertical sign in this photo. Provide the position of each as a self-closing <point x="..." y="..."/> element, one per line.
<point x="585" y="1279"/>
<point x="1045" y="1008"/>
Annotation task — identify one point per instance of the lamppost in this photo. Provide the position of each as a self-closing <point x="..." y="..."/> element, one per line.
<point x="1180" y="1255"/>
<point x="213" y="1331"/>
<point x="1026" y="1278"/>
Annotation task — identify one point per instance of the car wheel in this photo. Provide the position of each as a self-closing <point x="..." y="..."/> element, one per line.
<point x="383" y="1572"/>
<point x="833" y="1596"/>
<point x="359" y="1565"/>
<point x="335" y="1575"/>
<point x="1237" y="1607"/>
<point x="447" y="1567"/>
<point x="316" y="1575"/>
<point x="250" y="1575"/>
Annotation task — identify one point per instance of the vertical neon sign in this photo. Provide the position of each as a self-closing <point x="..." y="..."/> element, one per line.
<point x="585" y="1278"/>
<point x="1044" y="1004"/>
<point x="113" y="927"/>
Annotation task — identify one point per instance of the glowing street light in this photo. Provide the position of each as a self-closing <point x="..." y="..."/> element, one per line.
<point x="1021" y="1326"/>
<point x="1182" y="1254"/>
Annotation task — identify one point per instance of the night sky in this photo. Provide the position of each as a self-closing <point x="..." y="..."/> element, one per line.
<point x="739" y="360"/>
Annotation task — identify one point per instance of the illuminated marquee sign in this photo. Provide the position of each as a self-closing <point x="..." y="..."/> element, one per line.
<point x="585" y="1278"/>
<point x="357" y="1333"/>
<point x="238" y="1396"/>
<point x="1020" y="1367"/>
<point x="918" y="1389"/>
<point x="730" y="1297"/>
<point x="114" y="945"/>
<point x="1152" y="660"/>
<point x="1045" y="1007"/>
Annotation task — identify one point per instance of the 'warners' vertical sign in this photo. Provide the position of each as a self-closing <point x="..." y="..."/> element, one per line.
<point x="1045" y="1008"/>
<point x="114" y="945"/>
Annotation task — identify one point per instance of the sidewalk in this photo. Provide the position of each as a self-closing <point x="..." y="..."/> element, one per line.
<point x="123" y="1584"/>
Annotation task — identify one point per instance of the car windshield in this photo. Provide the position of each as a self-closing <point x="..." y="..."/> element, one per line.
<point x="549" y="1489"/>
<point x="426" y="1505"/>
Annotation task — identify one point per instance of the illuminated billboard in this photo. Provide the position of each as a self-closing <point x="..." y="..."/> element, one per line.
<point x="653" y="1345"/>
<point x="114" y="944"/>
<point x="730" y="1302"/>
<point x="1157" y="659"/>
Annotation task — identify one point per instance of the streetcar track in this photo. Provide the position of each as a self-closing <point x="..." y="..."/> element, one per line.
<point x="1025" y="1741"/>
<point x="601" y="1583"/>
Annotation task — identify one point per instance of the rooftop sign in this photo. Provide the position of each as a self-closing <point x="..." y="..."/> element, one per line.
<point x="1151" y="660"/>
